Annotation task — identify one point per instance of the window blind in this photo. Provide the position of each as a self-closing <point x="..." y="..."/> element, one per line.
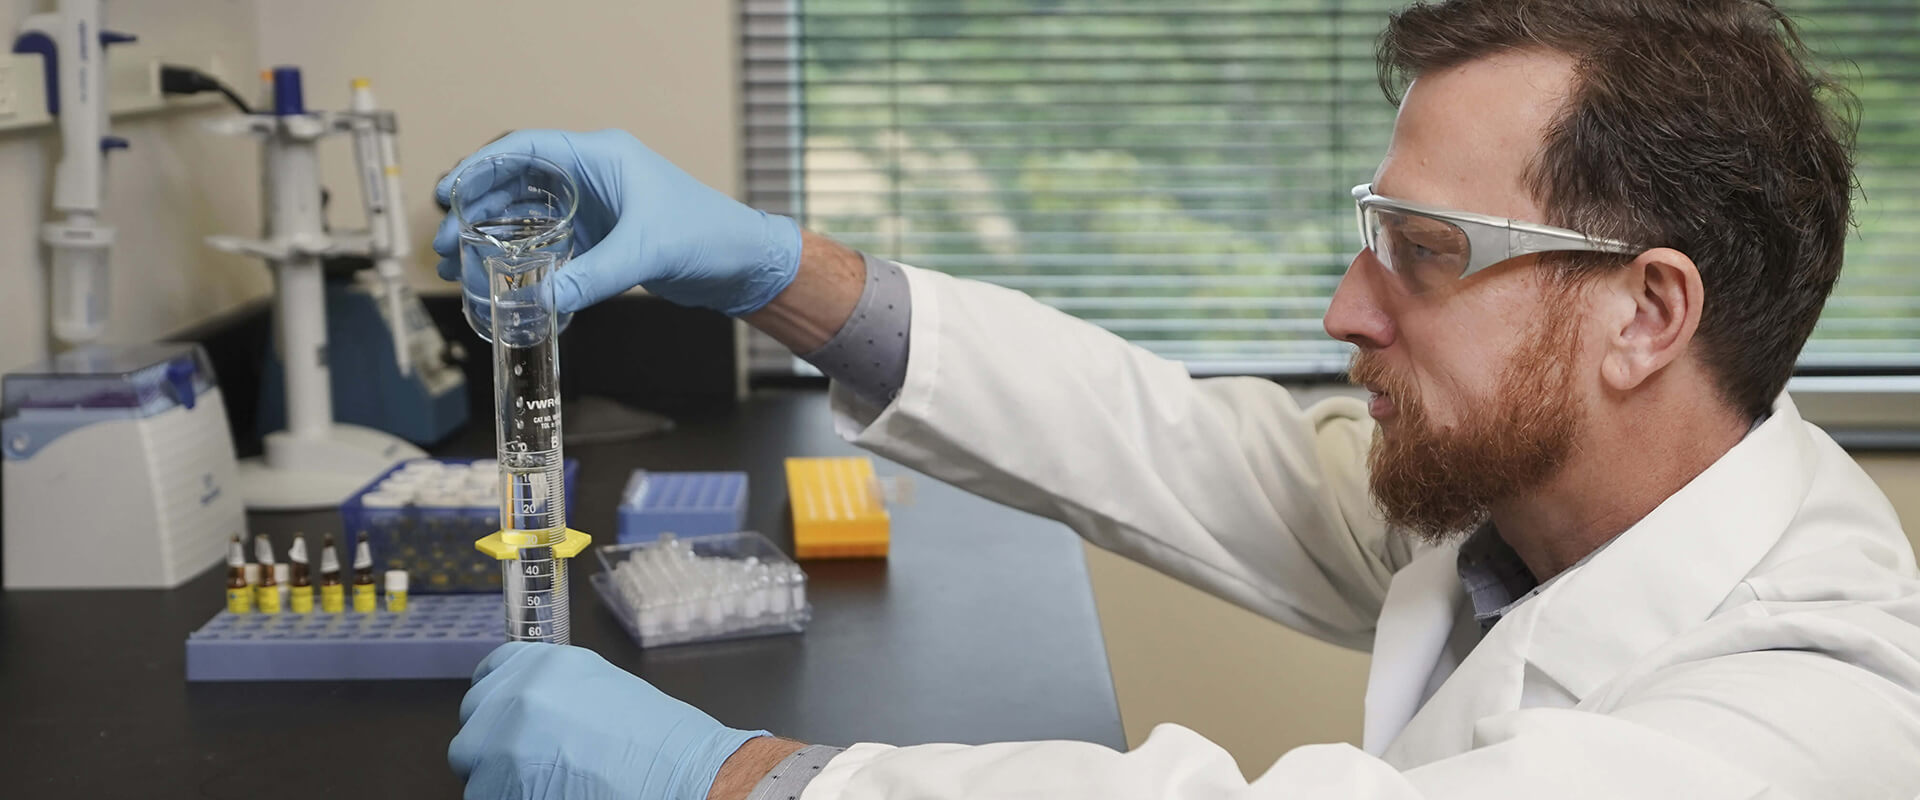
<point x="1178" y="172"/>
<point x="1872" y="322"/>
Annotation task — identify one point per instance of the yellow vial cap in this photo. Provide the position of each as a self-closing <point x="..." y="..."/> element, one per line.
<point x="268" y="600"/>
<point x="333" y="598"/>
<point x="301" y="599"/>
<point x="363" y="600"/>
<point x="240" y="601"/>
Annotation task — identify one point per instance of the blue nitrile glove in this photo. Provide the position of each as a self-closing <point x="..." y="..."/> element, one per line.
<point x="550" y="721"/>
<point x="645" y="222"/>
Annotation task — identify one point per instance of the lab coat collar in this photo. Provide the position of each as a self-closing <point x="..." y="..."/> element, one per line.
<point x="1673" y="569"/>
<point x="1662" y="576"/>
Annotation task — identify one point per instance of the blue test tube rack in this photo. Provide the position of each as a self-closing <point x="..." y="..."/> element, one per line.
<point x="681" y="503"/>
<point x="434" y="544"/>
<point x="442" y="636"/>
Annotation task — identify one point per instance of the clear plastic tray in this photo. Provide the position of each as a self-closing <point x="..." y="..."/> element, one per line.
<point x="702" y="588"/>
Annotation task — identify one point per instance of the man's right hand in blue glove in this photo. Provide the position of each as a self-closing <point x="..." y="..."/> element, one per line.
<point x="645" y="222"/>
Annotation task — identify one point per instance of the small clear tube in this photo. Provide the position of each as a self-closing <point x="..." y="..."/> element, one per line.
<point x="516" y="214"/>
<point x="80" y="286"/>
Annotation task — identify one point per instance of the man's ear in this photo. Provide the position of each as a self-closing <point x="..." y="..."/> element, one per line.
<point x="1650" y="310"/>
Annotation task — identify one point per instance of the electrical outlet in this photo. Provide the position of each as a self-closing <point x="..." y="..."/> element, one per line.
<point x="9" y="94"/>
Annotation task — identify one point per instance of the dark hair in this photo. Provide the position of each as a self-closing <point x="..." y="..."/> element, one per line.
<point x="1692" y="124"/>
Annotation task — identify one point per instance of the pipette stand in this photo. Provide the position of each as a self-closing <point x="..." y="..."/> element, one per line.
<point x="315" y="462"/>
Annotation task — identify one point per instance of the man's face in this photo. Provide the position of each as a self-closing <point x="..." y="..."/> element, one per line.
<point x="1474" y="383"/>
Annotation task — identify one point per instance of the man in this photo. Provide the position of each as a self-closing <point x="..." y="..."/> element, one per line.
<point x="1592" y="545"/>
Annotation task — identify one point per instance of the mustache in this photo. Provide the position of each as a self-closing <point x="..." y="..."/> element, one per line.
<point x="1368" y="368"/>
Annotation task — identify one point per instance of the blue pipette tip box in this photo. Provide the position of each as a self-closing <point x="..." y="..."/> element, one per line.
<point x="434" y="544"/>
<point x="438" y="636"/>
<point x="681" y="503"/>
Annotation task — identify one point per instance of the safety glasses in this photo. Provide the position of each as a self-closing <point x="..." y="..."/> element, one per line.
<point x="1428" y="247"/>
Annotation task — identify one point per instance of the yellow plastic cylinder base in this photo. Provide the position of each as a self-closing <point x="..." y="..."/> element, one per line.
<point x="301" y="599"/>
<point x="396" y="602"/>
<point x="333" y="598"/>
<point x="268" y="599"/>
<point x="363" y="599"/>
<point x="496" y="545"/>
<point x="240" y="601"/>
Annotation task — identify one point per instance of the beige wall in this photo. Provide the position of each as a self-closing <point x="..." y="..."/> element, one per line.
<point x="1259" y="689"/>
<point x="460" y="72"/>
<point x="176" y="185"/>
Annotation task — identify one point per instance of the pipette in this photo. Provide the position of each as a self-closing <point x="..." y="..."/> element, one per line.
<point x="375" y="154"/>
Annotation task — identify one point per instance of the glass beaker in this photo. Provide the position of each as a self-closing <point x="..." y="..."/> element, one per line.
<point x="515" y="212"/>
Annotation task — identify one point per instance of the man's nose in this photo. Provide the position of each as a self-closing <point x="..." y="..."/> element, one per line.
<point x="1355" y="315"/>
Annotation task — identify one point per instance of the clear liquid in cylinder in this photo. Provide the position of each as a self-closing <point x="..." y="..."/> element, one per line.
<point x="533" y="509"/>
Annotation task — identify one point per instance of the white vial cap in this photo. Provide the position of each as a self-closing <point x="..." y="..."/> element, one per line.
<point x="398" y="487"/>
<point x="280" y="575"/>
<point x="298" y="553"/>
<point x="383" y="500"/>
<point x="441" y="498"/>
<point x="396" y="580"/>
<point x="362" y="557"/>
<point x="328" y="561"/>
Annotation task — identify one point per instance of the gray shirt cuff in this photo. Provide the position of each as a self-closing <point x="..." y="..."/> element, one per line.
<point x="869" y="354"/>
<point x="790" y="777"/>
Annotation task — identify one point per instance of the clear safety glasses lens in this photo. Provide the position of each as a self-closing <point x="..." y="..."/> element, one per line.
<point x="1424" y="252"/>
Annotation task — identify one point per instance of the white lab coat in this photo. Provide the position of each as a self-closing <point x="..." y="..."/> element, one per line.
<point x="1757" y="635"/>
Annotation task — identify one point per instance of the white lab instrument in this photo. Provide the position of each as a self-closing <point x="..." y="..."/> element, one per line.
<point x="1758" y="634"/>
<point x="315" y="462"/>
<point x="118" y="469"/>
<point x="379" y="162"/>
<point x="73" y="42"/>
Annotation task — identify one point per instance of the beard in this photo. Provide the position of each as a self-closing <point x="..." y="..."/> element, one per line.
<point x="1439" y="482"/>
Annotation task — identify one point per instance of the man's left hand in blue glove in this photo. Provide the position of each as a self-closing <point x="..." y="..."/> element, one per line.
<point x="547" y="721"/>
